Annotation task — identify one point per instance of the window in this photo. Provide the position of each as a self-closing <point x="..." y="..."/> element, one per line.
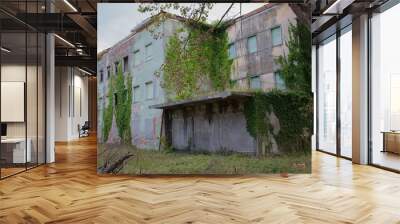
<point x="115" y="99"/>
<point x="108" y="72"/>
<point x="116" y="67"/>
<point x="255" y="82"/>
<point x="136" y="57"/>
<point x="385" y="88"/>
<point x="327" y="95"/>
<point x="101" y="76"/>
<point x="136" y="94"/>
<point x="148" y="51"/>
<point x="345" y="83"/>
<point x="279" y="83"/>
<point x="126" y="64"/>
<point x="252" y="44"/>
<point x="276" y="36"/>
<point x="149" y="90"/>
<point x="232" y="50"/>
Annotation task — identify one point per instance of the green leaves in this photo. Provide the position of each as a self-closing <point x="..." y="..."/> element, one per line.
<point x="294" y="111"/>
<point x="197" y="64"/>
<point x="296" y="66"/>
<point x="123" y="104"/>
<point x="108" y="111"/>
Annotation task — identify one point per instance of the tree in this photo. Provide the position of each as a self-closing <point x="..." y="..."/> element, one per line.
<point x="296" y="65"/>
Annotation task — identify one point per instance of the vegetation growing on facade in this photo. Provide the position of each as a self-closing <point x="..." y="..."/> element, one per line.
<point x="292" y="107"/>
<point x="108" y="111"/>
<point x="294" y="112"/>
<point x="119" y="97"/>
<point x="296" y="65"/>
<point x="123" y="103"/>
<point x="197" y="64"/>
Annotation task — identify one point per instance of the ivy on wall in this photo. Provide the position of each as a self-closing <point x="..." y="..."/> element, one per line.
<point x="197" y="63"/>
<point x="123" y="103"/>
<point x="108" y="111"/>
<point x="294" y="112"/>
<point x="119" y="104"/>
<point x="296" y="65"/>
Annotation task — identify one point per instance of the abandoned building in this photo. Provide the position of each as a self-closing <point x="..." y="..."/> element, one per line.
<point x="255" y="38"/>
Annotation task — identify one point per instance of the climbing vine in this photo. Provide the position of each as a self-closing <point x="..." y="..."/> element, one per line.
<point x="197" y="62"/>
<point x="296" y="65"/>
<point x="108" y="111"/>
<point x="123" y="103"/>
<point x="119" y="97"/>
<point x="294" y="112"/>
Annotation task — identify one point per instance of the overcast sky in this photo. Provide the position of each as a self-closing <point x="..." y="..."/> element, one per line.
<point x="116" y="20"/>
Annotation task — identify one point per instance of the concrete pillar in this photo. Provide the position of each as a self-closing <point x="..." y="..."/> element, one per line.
<point x="360" y="90"/>
<point x="50" y="93"/>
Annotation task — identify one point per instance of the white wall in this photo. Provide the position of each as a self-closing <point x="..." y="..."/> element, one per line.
<point x="71" y="93"/>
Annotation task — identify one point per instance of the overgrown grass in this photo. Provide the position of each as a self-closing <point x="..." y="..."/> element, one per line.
<point x="155" y="162"/>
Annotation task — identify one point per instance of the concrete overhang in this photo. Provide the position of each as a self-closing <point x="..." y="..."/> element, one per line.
<point x="221" y="96"/>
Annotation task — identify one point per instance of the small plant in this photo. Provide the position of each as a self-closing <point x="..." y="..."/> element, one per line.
<point x="165" y="146"/>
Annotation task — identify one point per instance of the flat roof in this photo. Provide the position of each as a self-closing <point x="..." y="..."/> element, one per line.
<point x="204" y="99"/>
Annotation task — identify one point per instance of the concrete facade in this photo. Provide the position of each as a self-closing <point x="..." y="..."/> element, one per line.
<point x="259" y="67"/>
<point x="145" y="55"/>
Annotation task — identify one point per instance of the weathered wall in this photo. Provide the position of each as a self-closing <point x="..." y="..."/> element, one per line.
<point x="211" y="127"/>
<point x="262" y="62"/>
<point x="145" y="122"/>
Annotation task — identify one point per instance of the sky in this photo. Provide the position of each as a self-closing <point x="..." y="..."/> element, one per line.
<point x="116" y="20"/>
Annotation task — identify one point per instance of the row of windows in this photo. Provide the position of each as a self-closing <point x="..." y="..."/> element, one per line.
<point x="255" y="82"/>
<point x="137" y="94"/>
<point x="148" y="54"/>
<point x="137" y="59"/>
<point x="276" y="37"/>
<point x="148" y="92"/>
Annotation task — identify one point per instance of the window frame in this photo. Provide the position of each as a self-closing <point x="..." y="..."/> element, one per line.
<point x="248" y="44"/>
<point x="281" y="36"/>
<point x="152" y="90"/>
<point x="136" y="58"/>
<point x="253" y="77"/>
<point x="136" y="94"/>
<point x="125" y="66"/>
<point x="232" y="45"/>
<point x="148" y="49"/>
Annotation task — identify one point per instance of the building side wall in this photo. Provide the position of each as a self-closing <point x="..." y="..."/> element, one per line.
<point x="145" y="122"/>
<point x="262" y="62"/>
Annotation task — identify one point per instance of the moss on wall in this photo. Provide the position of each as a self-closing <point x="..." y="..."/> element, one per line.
<point x="119" y="97"/>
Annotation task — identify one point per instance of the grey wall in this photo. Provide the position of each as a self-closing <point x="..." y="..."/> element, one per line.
<point x="261" y="63"/>
<point x="213" y="127"/>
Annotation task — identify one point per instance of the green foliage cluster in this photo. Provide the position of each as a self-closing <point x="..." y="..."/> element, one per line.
<point x="123" y="105"/>
<point x="294" y="111"/>
<point x="119" y="104"/>
<point x="198" y="63"/>
<point x="108" y="111"/>
<point x="296" y="66"/>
